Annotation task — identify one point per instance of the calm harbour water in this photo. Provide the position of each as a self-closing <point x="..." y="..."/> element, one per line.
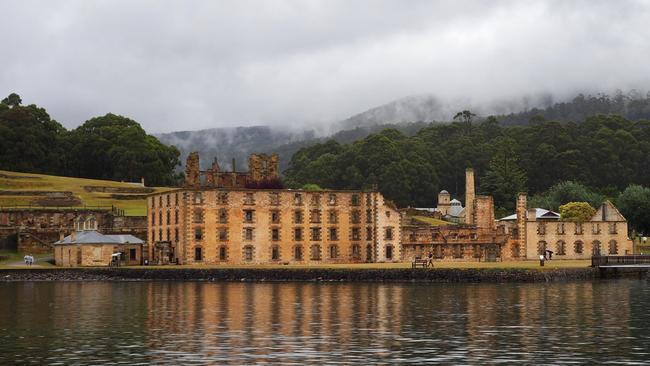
<point x="185" y="323"/>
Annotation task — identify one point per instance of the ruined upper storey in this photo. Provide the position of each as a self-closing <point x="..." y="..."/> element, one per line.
<point x="263" y="170"/>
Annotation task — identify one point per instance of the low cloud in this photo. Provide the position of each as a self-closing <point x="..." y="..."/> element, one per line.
<point x="182" y="65"/>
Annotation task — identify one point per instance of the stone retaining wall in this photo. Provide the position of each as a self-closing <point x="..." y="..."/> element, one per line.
<point x="302" y="274"/>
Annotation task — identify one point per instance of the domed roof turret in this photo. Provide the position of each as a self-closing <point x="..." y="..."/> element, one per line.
<point x="444" y="191"/>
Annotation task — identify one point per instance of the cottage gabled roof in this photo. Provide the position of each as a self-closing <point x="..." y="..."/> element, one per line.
<point x="95" y="237"/>
<point x="608" y="212"/>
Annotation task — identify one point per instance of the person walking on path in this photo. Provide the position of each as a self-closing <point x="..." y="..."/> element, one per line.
<point x="542" y="258"/>
<point x="430" y="262"/>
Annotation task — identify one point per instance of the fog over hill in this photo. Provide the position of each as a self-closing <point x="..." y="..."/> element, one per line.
<point x="406" y="114"/>
<point x="230" y="143"/>
<point x="238" y="142"/>
<point x="427" y="107"/>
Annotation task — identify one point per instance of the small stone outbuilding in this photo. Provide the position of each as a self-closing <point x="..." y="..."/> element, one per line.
<point x="88" y="247"/>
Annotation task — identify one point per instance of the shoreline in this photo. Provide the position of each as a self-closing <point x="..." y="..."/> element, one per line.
<point x="444" y="275"/>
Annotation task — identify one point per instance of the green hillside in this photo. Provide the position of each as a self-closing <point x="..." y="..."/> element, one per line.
<point x="48" y="191"/>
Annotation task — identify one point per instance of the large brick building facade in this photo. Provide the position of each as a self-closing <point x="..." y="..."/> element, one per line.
<point x="531" y="234"/>
<point x="218" y="219"/>
<point x="240" y="226"/>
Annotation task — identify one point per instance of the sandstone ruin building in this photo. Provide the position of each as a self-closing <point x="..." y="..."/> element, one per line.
<point x="522" y="236"/>
<point x="218" y="220"/>
<point x="34" y="229"/>
<point x="86" y="246"/>
<point x="263" y="169"/>
<point x="532" y="232"/>
<point x="223" y="217"/>
<point x="476" y="239"/>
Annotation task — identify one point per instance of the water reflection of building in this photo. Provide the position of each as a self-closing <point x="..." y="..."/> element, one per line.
<point x="277" y="322"/>
<point x="545" y="318"/>
<point x="279" y="319"/>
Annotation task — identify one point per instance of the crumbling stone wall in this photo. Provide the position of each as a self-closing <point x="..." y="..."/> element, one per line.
<point x="452" y="243"/>
<point x="49" y="218"/>
<point x="34" y="230"/>
<point x="263" y="167"/>
<point x="192" y="170"/>
<point x="484" y="212"/>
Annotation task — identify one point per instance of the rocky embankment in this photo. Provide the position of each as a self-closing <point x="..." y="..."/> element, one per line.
<point x="298" y="274"/>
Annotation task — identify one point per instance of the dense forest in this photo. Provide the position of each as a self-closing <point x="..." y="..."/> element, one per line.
<point x="601" y="156"/>
<point x="108" y="147"/>
<point x="632" y="105"/>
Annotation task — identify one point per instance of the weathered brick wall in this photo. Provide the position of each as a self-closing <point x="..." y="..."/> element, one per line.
<point x="38" y="241"/>
<point x="484" y="212"/>
<point x="93" y="255"/>
<point x="263" y="167"/>
<point x="451" y="243"/>
<point x="36" y="229"/>
<point x="387" y="218"/>
<point x="576" y="240"/>
<point x="49" y="218"/>
<point x="273" y="226"/>
<point x="192" y="170"/>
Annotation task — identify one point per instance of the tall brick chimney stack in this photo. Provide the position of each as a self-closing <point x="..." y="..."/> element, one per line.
<point x="521" y="221"/>
<point x="470" y="196"/>
<point x="192" y="170"/>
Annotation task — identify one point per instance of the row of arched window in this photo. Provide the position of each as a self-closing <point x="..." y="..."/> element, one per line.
<point x="578" y="247"/>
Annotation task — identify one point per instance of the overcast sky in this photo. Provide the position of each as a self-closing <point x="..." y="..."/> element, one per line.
<point x="178" y="65"/>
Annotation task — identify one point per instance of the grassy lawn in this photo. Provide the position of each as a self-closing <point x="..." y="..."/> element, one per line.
<point x="431" y="221"/>
<point x="553" y="264"/>
<point x="14" y="258"/>
<point x="39" y="182"/>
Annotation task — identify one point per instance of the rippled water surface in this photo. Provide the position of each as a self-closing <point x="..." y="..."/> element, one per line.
<point x="185" y="323"/>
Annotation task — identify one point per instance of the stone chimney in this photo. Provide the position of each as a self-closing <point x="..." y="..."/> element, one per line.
<point x="469" y="196"/>
<point x="521" y="222"/>
<point x="521" y="217"/>
<point x="192" y="170"/>
<point x="531" y="214"/>
<point x="73" y="236"/>
<point x="61" y="235"/>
